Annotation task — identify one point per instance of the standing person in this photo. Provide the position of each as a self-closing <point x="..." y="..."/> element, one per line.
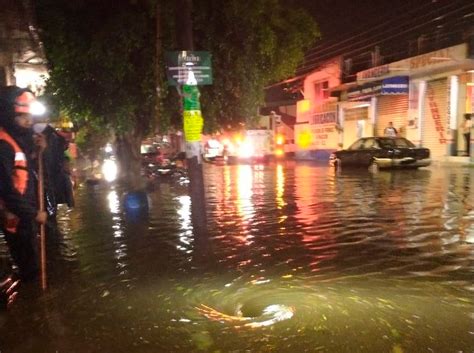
<point x="466" y="129"/>
<point x="390" y="131"/>
<point x="18" y="186"/>
<point x="57" y="175"/>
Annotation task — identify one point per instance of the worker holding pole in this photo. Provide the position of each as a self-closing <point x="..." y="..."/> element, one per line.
<point x="19" y="209"/>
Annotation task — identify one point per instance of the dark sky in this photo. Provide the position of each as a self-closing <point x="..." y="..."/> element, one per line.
<point x="336" y="17"/>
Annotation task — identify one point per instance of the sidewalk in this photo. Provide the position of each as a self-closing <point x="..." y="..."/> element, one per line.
<point x="454" y="160"/>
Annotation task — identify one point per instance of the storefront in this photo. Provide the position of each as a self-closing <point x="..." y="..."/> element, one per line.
<point x="392" y="105"/>
<point x="372" y="106"/>
<point x="318" y="136"/>
<point x="430" y="112"/>
<point x="356" y="123"/>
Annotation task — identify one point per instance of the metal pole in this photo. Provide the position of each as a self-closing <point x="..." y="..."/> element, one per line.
<point x="158" y="53"/>
<point x="193" y="148"/>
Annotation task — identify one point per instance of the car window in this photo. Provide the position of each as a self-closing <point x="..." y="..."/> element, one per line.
<point x="356" y="145"/>
<point x="401" y="142"/>
<point x="387" y="143"/>
<point x="369" y="143"/>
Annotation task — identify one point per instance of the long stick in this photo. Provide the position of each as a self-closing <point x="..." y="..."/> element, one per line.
<point x="42" y="226"/>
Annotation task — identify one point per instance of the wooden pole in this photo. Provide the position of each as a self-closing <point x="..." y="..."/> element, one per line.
<point x="42" y="226"/>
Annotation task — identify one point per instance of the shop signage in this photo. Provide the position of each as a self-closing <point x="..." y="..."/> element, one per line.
<point x="323" y="118"/>
<point x="436" y="115"/>
<point x="438" y="59"/>
<point x="373" y="72"/>
<point x="364" y="91"/>
<point x="395" y="85"/>
<point x="389" y="86"/>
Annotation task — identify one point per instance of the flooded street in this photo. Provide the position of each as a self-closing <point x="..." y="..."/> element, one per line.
<point x="295" y="258"/>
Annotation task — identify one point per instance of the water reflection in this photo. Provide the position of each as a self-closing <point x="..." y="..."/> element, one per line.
<point x="186" y="233"/>
<point x="295" y="259"/>
<point x="245" y="192"/>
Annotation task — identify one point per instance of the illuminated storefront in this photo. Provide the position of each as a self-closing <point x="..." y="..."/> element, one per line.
<point x="432" y="93"/>
<point x="317" y="129"/>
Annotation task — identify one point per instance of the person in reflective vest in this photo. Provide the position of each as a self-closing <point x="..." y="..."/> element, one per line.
<point x="18" y="197"/>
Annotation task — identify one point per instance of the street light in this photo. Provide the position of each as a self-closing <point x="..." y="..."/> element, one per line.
<point x="37" y="108"/>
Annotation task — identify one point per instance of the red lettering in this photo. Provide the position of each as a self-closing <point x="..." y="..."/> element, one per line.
<point x="436" y="116"/>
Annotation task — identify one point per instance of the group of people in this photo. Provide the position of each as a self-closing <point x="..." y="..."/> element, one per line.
<point x="22" y="145"/>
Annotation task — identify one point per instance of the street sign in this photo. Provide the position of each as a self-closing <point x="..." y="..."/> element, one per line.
<point x="188" y="67"/>
<point x="193" y="123"/>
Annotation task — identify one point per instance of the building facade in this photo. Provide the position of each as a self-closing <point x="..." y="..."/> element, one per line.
<point x="22" y="60"/>
<point x="317" y="129"/>
<point x="425" y="97"/>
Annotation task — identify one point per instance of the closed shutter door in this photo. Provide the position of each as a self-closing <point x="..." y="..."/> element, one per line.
<point x="392" y="109"/>
<point x="435" y="118"/>
<point x="352" y="130"/>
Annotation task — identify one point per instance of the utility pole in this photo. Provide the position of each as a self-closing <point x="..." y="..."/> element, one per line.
<point x="158" y="55"/>
<point x="191" y="104"/>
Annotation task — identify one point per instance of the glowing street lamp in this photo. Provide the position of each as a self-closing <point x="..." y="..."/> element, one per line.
<point x="37" y="108"/>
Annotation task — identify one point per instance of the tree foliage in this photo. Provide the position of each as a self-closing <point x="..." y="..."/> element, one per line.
<point x="253" y="43"/>
<point x="101" y="61"/>
<point x="102" y="56"/>
<point x="105" y="70"/>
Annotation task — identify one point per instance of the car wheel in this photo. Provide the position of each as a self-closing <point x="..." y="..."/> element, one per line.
<point x="374" y="167"/>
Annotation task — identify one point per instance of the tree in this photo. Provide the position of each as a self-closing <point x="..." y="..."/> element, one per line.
<point x="102" y="56"/>
<point x="102" y="59"/>
<point x="253" y="43"/>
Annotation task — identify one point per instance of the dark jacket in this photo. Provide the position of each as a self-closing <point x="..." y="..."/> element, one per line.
<point x="57" y="182"/>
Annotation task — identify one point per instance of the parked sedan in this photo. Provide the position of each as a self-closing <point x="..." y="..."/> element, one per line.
<point x="381" y="152"/>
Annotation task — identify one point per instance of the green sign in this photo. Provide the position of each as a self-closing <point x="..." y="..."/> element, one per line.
<point x="188" y="67"/>
<point x="191" y="98"/>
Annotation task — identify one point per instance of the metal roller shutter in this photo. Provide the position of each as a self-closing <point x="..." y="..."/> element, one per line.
<point x="392" y="109"/>
<point x="351" y="126"/>
<point x="435" y="118"/>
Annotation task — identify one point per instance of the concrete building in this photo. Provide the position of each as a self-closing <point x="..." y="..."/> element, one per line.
<point x="22" y="59"/>
<point x="414" y="70"/>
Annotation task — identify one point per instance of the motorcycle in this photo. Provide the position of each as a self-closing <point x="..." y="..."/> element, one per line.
<point x="164" y="170"/>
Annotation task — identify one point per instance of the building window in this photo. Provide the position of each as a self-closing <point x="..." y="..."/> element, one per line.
<point x="321" y="90"/>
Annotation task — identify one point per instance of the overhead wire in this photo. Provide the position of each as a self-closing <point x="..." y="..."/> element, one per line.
<point x="373" y="31"/>
<point x="309" y="66"/>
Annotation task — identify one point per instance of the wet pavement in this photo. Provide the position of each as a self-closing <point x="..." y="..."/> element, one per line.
<point x="295" y="258"/>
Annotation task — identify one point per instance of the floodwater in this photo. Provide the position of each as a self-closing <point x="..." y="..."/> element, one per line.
<point x="295" y="258"/>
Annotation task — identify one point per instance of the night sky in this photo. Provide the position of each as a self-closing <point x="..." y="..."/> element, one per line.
<point x="337" y="17"/>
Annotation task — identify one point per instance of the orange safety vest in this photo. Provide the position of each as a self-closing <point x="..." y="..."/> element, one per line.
<point x="19" y="178"/>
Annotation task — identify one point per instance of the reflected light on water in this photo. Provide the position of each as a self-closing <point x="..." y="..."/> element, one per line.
<point x="280" y="186"/>
<point x="184" y="213"/>
<point x="120" y="247"/>
<point x="227" y="182"/>
<point x="304" y="194"/>
<point x="114" y="203"/>
<point x="245" y="192"/>
<point x="270" y="315"/>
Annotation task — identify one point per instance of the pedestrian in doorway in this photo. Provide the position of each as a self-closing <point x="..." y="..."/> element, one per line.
<point x="390" y="130"/>
<point x="19" y="214"/>
<point x="466" y="129"/>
